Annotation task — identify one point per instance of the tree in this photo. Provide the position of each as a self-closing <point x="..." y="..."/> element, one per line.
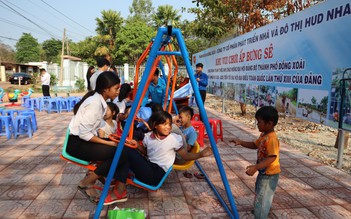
<point x="51" y="50"/>
<point x="141" y="9"/>
<point x="164" y="14"/>
<point x="28" y="49"/>
<point x="107" y="28"/>
<point x="132" y="40"/>
<point x="7" y="54"/>
<point x="85" y="49"/>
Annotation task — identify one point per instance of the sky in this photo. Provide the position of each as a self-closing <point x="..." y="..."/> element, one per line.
<point x="46" y="19"/>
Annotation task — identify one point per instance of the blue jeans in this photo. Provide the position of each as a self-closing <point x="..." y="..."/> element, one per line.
<point x="264" y="189"/>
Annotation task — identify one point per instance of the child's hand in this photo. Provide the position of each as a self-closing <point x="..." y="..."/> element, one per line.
<point x="251" y="170"/>
<point x="206" y="152"/>
<point x="235" y="141"/>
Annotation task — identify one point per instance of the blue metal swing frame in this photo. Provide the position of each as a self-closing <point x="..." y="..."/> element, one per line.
<point x="162" y="34"/>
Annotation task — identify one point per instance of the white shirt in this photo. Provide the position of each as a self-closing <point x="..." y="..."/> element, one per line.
<point x="108" y="129"/>
<point x="45" y="79"/>
<point x="162" y="152"/>
<point x="89" y="117"/>
<point x="93" y="79"/>
<point x="121" y="105"/>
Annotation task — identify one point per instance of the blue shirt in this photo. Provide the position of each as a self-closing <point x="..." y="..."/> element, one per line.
<point x="203" y="80"/>
<point x="145" y="114"/>
<point x="155" y="92"/>
<point x="190" y="135"/>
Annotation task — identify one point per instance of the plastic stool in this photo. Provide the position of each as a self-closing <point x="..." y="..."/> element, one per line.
<point x="196" y="117"/>
<point x="23" y="126"/>
<point x="6" y="122"/>
<point x="25" y="100"/>
<point x="50" y="104"/>
<point x="63" y="104"/>
<point x="200" y="128"/>
<point x="10" y="112"/>
<point x="215" y="123"/>
<point x="72" y="101"/>
<point x="30" y="113"/>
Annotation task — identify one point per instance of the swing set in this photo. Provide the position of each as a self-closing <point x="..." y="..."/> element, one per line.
<point x="158" y="48"/>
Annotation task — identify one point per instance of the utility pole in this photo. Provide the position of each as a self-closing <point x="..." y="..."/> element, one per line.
<point x="62" y="54"/>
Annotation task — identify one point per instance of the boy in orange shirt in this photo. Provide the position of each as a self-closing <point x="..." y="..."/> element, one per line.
<point x="267" y="164"/>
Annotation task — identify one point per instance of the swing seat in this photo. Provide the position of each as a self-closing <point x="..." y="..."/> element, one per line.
<point x="67" y="157"/>
<point x="135" y="182"/>
<point x="187" y="165"/>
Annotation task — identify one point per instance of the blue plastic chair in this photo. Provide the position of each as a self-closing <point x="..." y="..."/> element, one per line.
<point x="63" y="104"/>
<point x="10" y="112"/>
<point x="23" y="126"/>
<point x="51" y="104"/>
<point x="6" y="126"/>
<point x="32" y="115"/>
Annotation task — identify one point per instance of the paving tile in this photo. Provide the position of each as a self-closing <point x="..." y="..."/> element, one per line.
<point x="293" y="184"/>
<point x="321" y="182"/>
<point x="159" y="206"/>
<point x="251" y="156"/>
<point x="25" y="192"/>
<point x="201" y="189"/>
<point x="327" y="170"/>
<point x="310" y="162"/>
<point x="339" y="195"/>
<point x="238" y="165"/>
<point x="204" y="205"/>
<point x="294" y="213"/>
<point x="243" y="176"/>
<point x="36" y="179"/>
<point x="46" y="209"/>
<point x="343" y="179"/>
<point x="5" y="160"/>
<point x="210" y="216"/>
<point x="331" y="211"/>
<point x="9" y="179"/>
<point x="290" y="162"/>
<point x="282" y="200"/>
<point x="70" y="168"/>
<point x="310" y="198"/>
<point x="137" y="193"/>
<point x="13" y="208"/>
<point x="303" y="172"/>
<point x="168" y="189"/>
<point x="48" y="168"/>
<point x="29" y="160"/>
<point x="67" y="179"/>
<point x="16" y="153"/>
<point x="58" y="192"/>
<point x="18" y="169"/>
<point x="4" y="189"/>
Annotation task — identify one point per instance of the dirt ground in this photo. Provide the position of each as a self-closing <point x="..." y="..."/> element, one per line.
<point x="312" y="139"/>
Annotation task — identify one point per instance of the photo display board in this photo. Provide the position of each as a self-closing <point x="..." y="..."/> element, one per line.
<point x="295" y="64"/>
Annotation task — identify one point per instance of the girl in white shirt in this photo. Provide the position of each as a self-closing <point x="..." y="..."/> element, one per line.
<point x="160" y="146"/>
<point x="109" y="125"/>
<point x="122" y="100"/>
<point x="83" y="141"/>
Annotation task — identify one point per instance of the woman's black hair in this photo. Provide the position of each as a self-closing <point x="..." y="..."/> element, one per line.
<point x="159" y="117"/>
<point x="114" y="108"/>
<point x="89" y="76"/>
<point x="105" y="80"/>
<point x="124" y="91"/>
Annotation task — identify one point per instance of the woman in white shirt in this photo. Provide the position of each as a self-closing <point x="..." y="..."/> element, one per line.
<point x="83" y="141"/>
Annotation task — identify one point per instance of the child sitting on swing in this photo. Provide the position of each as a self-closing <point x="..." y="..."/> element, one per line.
<point x="150" y="162"/>
<point x="109" y="125"/>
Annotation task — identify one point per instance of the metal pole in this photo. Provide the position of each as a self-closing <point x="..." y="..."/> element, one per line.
<point x="223" y="97"/>
<point x="340" y="149"/>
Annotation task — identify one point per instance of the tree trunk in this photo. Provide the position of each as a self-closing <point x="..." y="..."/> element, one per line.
<point x="346" y="140"/>
<point x="243" y="109"/>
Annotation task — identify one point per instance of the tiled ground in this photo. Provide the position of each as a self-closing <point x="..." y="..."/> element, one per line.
<point x="36" y="183"/>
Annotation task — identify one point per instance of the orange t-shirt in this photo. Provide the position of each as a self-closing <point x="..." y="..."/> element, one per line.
<point x="268" y="145"/>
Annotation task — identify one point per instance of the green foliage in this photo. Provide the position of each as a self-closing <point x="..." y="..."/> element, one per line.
<point x="51" y="50"/>
<point x="7" y="54"/>
<point x="141" y="10"/>
<point x="28" y="49"/>
<point x="53" y="80"/>
<point x="164" y="14"/>
<point x="107" y="28"/>
<point x="80" y="84"/>
<point x="132" y="40"/>
<point x="85" y="49"/>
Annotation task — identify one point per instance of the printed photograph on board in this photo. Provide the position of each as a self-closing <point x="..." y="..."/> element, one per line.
<point x="312" y="105"/>
<point x="286" y="101"/>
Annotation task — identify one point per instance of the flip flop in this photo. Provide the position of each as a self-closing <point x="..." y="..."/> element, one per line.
<point x="83" y="189"/>
<point x="199" y="175"/>
<point x="187" y="174"/>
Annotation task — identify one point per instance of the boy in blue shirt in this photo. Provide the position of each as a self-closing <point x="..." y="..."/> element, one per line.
<point x="186" y="113"/>
<point x="156" y="90"/>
